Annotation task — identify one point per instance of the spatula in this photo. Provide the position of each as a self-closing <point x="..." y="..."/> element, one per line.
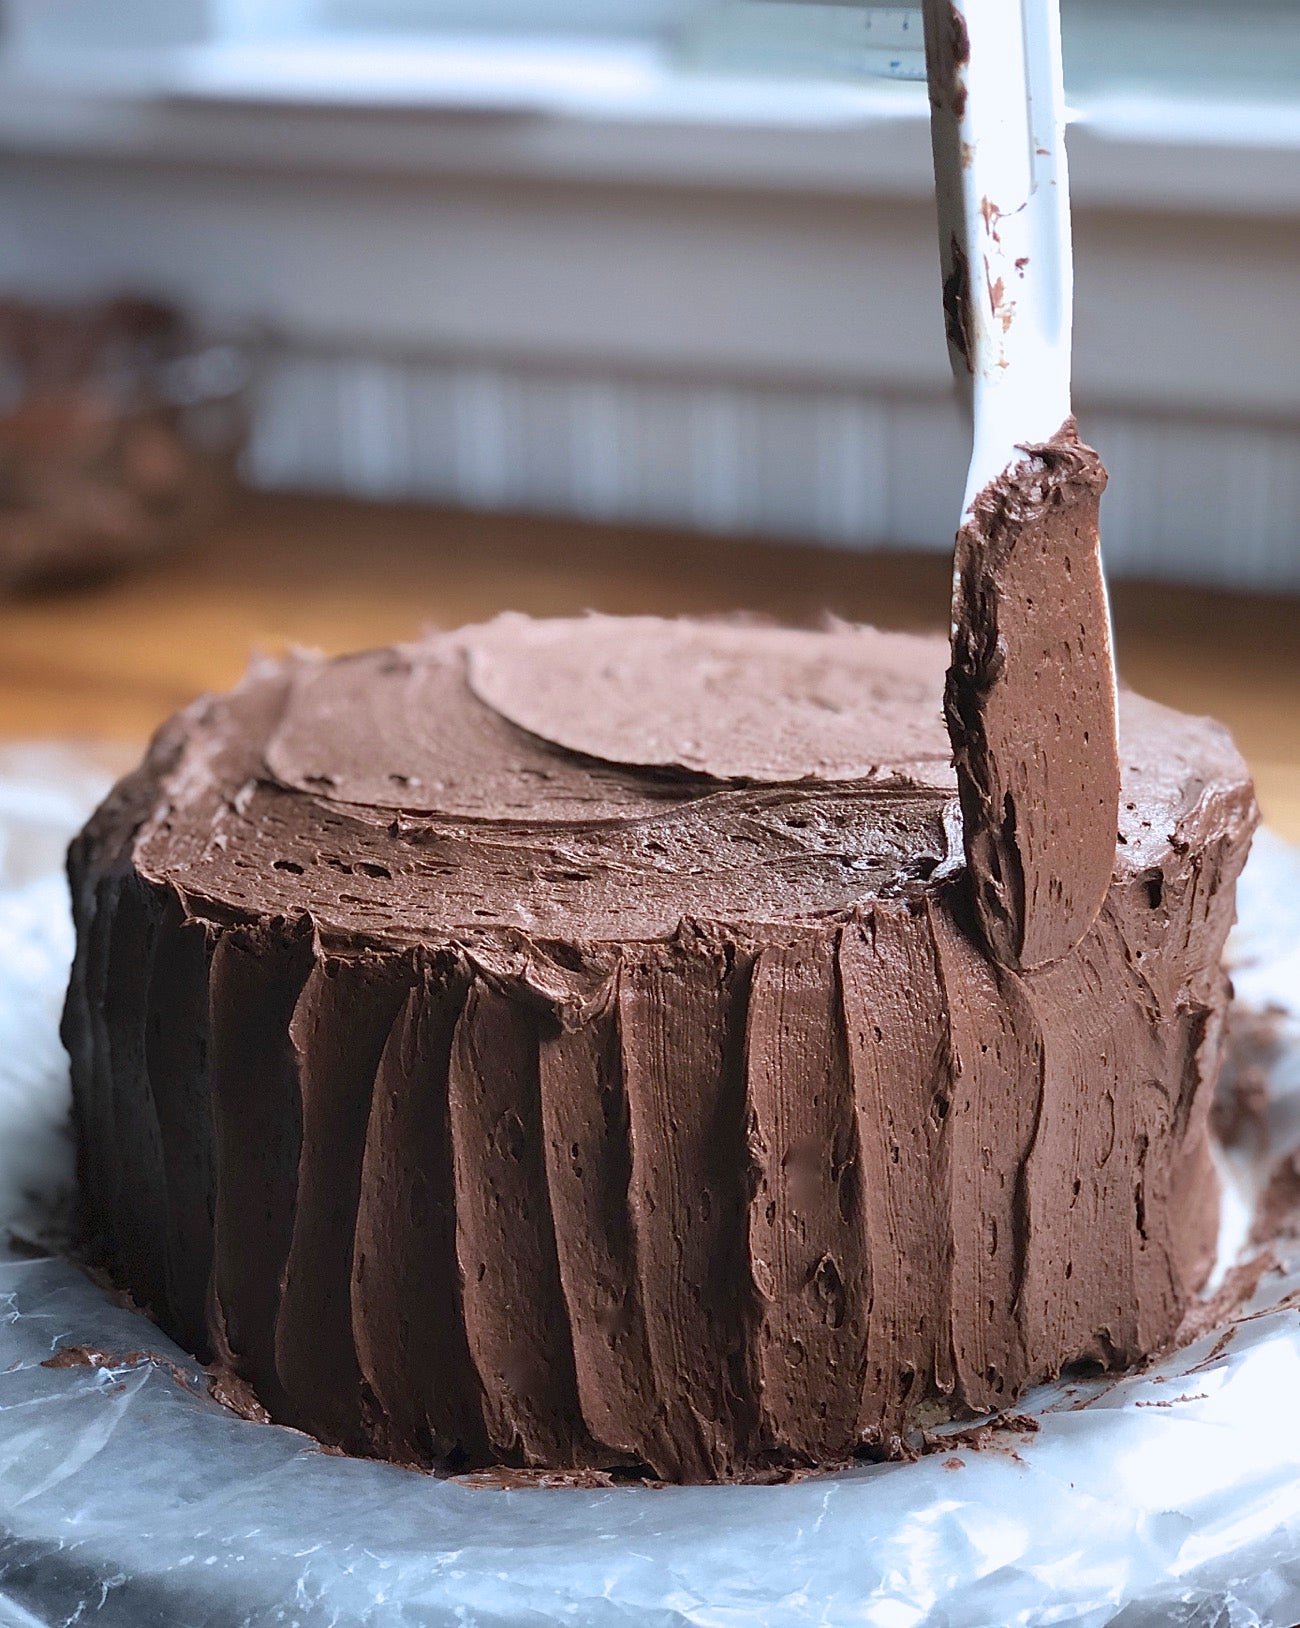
<point x="1031" y="692"/>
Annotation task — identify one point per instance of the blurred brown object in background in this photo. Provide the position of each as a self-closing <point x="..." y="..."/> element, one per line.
<point x="120" y="428"/>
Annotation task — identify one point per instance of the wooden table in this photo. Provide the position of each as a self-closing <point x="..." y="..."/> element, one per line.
<point x="106" y="663"/>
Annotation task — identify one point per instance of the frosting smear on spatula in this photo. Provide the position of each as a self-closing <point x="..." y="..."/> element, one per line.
<point x="1030" y="703"/>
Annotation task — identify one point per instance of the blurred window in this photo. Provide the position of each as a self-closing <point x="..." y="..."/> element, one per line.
<point x="1219" y="47"/>
<point x="1118" y="52"/>
<point x="639" y="17"/>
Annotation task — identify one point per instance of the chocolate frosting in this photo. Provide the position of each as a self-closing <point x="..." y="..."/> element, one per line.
<point x="1031" y="703"/>
<point x="575" y="1044"/>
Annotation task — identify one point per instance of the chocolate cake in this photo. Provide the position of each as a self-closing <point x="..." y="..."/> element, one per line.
<point x="602" y="1043"/>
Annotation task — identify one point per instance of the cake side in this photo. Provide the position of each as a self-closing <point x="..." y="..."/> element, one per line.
<point x="568" y="1177"/>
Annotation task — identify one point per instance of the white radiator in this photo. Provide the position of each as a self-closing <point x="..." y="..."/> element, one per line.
<point x="1197" y="499"/>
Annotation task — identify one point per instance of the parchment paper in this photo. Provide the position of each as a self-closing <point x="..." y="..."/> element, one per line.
<point x="129" y="1499"/>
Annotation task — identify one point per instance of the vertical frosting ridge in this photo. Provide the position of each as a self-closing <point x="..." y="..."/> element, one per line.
<point x="996" y="1057"/>
<point x="681" y="1010"/>
<point x="505" y="1242"/>
<point x="407" y="1295"/>
<point x="897" y="1030"/>
<point x="84" y="1036"/>
<point x="342" y="1019"/>
<point x="255" y="977"/>
<point x="131" y="927"/>
<point x="176" y="1071"/>
<point x="806" y="1231"/>
<point x="1089" y="1283"/>
<point x="588" y="1172"/>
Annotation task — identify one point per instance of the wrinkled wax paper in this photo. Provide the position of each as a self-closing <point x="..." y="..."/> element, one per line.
<point x="128" y="1500"/>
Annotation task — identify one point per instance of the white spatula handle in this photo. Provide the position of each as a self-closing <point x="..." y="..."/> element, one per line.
<point x="998" y="122"/>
